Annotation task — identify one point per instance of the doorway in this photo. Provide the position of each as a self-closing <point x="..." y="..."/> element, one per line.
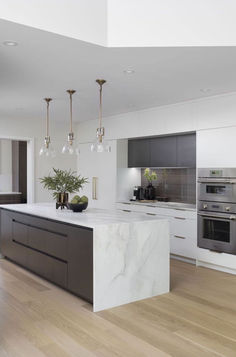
<point x="16" y="171"/>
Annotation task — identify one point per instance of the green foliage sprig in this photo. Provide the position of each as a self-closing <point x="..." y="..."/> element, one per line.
<point x="150" y="176"/>
<point x="63" y="181"/>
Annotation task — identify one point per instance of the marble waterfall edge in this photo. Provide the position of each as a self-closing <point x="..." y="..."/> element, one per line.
<point x="131" y="262"/>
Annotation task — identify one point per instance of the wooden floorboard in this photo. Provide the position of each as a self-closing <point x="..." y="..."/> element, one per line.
<point x="197" y="318"/>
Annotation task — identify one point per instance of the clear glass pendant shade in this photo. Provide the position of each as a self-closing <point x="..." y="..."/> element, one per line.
<point x="70" y="149"/>
<point x="47" y="151"/>
<point x="101" y="145"/>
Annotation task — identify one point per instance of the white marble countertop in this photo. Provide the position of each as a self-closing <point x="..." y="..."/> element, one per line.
<point x="91" y="218"/>
<point x="184" y="206"/>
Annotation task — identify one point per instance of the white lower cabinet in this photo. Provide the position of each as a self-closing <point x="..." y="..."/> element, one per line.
<point x="183" y="227"/>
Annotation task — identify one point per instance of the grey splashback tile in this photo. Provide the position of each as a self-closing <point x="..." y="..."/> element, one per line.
<point x="177" y="184"/>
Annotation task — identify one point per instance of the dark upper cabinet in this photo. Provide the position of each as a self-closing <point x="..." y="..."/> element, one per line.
<point x="138" y="152"/>
<point x="163" y="151"/>
<point x="186" y="150"/>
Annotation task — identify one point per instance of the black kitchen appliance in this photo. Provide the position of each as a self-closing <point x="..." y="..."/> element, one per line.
<point x="138" y="193"/>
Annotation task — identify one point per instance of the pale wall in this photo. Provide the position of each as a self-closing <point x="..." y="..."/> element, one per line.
<point x="35" y="129"/>
<point x="141" y="23"/>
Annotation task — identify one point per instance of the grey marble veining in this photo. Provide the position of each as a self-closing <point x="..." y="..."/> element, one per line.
<point x="131" y="266"/>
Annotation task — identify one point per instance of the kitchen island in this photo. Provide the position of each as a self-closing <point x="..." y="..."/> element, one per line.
<point x="108" y="258"/>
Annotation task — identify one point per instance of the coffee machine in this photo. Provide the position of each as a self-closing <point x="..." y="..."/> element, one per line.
<point x="138" y="193"/>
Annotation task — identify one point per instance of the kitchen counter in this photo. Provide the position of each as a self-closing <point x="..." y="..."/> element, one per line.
<point x="176" y="205"/>
<point x="130" y="251"/>
<point x="90" y="218"/>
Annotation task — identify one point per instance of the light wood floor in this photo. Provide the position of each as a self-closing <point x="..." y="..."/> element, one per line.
<point x="198" y="318"/>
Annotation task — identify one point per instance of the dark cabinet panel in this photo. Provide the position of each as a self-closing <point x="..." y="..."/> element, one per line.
<point x="47" y="267"/>
<point x="6" y="233"/>
<point x="186" y="150"/>
<point x="18" y="253"/>
<point x="19" y="232"/>
<point x="59" y="252"/>
<point x="48" y="242"/>
<point x="163" y="151"/>
<point x="138" y="153"/>
<point x="80" y="265"/>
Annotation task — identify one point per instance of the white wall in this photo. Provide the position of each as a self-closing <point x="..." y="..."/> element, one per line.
<point x="202" y="114"/>
<point x="140" y="23"/>
<point x="25" y="129"/>
<point x="84" y="20"/>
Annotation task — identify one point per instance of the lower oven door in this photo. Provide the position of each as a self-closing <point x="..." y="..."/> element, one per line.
<point x="217" y="232"/>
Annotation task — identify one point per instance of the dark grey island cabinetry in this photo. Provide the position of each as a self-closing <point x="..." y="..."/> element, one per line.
<point x="59" y="252"/>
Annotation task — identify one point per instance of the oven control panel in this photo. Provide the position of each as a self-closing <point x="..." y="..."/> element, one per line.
<point x="217" y="207"/>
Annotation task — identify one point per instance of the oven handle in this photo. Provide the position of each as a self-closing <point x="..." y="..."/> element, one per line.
<point x="230" y="218"/>
<point x="206" y="180"/>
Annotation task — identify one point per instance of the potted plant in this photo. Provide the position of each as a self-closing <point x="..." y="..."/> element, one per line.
<point x="62" y="183"/>
<point x="150" y="190"/>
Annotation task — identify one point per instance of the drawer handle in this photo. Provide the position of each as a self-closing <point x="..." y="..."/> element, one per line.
<point x="126" y="210"/>
<point x="180" y="237"/>
<point x="151" y="214"/>
<point x="182" y="218"/>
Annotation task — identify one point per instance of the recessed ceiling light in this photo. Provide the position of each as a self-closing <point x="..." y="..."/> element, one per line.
<point x="128" y="71"/>
<point x="10" y="43"/>
<point x="205" y="90"/>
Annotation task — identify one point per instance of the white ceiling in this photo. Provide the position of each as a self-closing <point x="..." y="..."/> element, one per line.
<point x="45" y="64"/>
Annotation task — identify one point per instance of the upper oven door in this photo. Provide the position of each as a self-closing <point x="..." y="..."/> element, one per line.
<point x="217" y="232"/>
<point x="217" y="191"/>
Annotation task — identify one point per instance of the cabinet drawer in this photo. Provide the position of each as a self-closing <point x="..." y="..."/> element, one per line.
<point x="19" y="232"/>
<point x="18" y="253"/>
<point x="183" y="226"/>
<point x="183" y="245"/>
<point x="48" y="242"/>
<point x="47" y="267"/>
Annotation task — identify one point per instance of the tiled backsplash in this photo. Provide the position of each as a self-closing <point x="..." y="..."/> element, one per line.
<point x="178" y="185"/>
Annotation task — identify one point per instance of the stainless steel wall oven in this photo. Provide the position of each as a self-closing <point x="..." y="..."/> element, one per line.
<point x="217" y="210"/>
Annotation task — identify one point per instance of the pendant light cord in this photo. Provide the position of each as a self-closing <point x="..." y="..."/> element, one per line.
<point x="47" y="121"/>
<point x="100" y="108"/>
<point x="47" y="100"/>
<point x="71" y="92"/>
<point x="71" y="112"/>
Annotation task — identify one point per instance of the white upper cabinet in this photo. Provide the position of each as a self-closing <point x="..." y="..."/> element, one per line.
<point x="216" y="147"/>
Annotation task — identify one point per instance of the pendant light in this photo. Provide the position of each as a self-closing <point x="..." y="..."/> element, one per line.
<point x="47" y="149"/>
<point x="69" y="148"/>
<point x="100" y="144"/>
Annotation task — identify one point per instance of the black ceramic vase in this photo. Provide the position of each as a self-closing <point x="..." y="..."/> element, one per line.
<point x="62" y="200"/>
<point x="150" y="192"/>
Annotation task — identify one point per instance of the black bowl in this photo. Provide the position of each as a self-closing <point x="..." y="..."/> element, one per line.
<point x="77" y="207"/>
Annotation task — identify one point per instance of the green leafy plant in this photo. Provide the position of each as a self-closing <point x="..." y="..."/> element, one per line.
<point x="63" y="181"/>
<point x="150" y="176"/>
